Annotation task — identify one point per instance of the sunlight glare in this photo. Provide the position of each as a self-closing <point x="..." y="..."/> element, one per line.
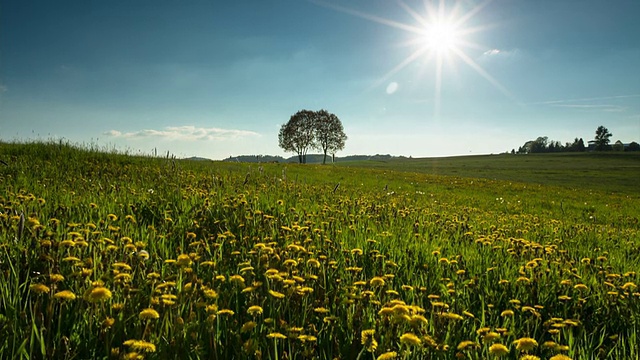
<point x="441" y="37"/>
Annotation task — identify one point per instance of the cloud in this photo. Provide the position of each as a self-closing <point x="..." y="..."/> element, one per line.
<point x="184" y="133"/>
<point x="494" y="54"/>
<point x="603" y="107"/>
<point x="594" y="103"/>
<point x="564" y="101"/>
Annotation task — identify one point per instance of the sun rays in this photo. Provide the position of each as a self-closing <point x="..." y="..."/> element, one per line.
<point x="438" y="37"/>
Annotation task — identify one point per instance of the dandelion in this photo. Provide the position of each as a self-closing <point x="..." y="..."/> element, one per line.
<point x="560" y="357"/>
<point x="467" y="345"/>
<point x="498" y="350"/>
<point x="490" y="337"/>
<point x="183" y="260"/>
<point x="418" y="320"/>
<point x="226" y="312"/>
<point x="410" y="339"/>
<point x="581" y="287"/>
<point x="108" y="322"/>
<point x="525" y="344"/>
<point x="387" y="356"/>
<point x="56" y="278"/>
<point x="368" y="340"/>
<point x="276" y="294"/>
<point x="210" y="294"/>
<point x="254" y="310"/>
<point x="629" y="286"/>
<point x="64" y="295"/>
<point x="276" y="335"/>
<point x="321" y="310"/>
<point x="236" y="279"/>
<point x="140" y="345"/>
<point x="39" y="288"/>
<point x="451" y="316"/>
<point x="143" y="255"/>
<point x="98" y="294"/>
<point x="248" y="326"/>
<point x="149" y="313"/>
<point x="529" y="357"/>
<point x="506" y="313"/>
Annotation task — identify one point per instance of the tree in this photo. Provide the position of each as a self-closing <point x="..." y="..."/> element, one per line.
<point x="633" y="146"/>
<point x="618" y="146"/>
<point x="602" y="138"/>
<point x="298" y="135"/>
<point x="329" y="133"/>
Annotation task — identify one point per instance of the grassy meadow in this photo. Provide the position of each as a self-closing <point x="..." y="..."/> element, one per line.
<point x="107" y="256"/>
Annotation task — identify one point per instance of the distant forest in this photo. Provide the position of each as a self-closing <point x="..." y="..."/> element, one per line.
<point x="544" y="145"/>
<point x="311" y="158"/>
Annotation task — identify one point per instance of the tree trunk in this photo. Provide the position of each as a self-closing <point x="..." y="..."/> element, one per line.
<point x="324" y="160"/>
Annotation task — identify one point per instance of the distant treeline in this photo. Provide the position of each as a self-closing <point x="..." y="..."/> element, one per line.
<point x="543" y="145"/>
<point x="311" y="159"/>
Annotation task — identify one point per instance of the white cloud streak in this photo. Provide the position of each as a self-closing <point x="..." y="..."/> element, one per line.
<point x="184" y="133"/>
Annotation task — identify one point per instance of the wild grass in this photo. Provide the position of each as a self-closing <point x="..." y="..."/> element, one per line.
<point x="128" y="257"/>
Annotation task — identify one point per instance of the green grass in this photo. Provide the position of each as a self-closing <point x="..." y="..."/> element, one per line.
<point x="421" y="247"/>
<point x="605" y="171"/>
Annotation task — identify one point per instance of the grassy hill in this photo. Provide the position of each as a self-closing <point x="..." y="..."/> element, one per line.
<point x="609" y="171"/>
<point x="112" y="256"/>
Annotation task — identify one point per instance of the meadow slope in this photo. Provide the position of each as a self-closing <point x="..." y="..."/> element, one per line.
<point x="111" y="256"/>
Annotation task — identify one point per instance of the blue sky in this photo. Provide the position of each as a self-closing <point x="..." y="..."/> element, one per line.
<point x="219" y="78"/>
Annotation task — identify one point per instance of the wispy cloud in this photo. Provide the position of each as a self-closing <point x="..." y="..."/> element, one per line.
<point x="593" y="103"/>
<point x="560" y="101"/>
<point x="603" y="107"/>
<point x="500" y="53"/>
<point x="184" y="133"/>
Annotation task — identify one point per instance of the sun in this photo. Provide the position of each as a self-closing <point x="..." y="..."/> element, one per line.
<point x="440" y="36"/>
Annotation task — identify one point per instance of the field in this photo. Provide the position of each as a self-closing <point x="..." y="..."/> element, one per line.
<point x="107" y="256"/>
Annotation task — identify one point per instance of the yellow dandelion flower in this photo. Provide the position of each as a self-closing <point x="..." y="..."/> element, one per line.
<point x="183" y="260"/>
<point x="581" y="287"/>
<point x="506" y="313"/>
<point x="141" y="345"/>
<point x="388" y="356"/>
<point x="525" y="344"/>
<point x="226" y="312"/>
<point x="529" y="357"/>
<point x="451" y="316"/>
<point x="254" y="310"/>
<point x="490" y="337"/>
<point x="56" y="278"/>
<point x="377" y="281"/>
<point x="564" y="298"/>
<point x="467" y="345"/>
<point x="498" y="350"/>
<point x="98" y="293"/>
<point x="276" y="294"/>
<point x="418" y="320"/>
<point x="368" y="340"/>
<point x="248" y="326"/>
<point x="64" y="295"/>
<point x="210" y="294"/>
<point x="276" y="335"/>
<point x="560" y="357"/>
<point x="321" y="310"/>
<point x="39" y="288"/>
<point x="410" y="339"/>
<point x="629" y="286"/>
<point x="108" y="322"/>
<point x="149" y="313"/>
